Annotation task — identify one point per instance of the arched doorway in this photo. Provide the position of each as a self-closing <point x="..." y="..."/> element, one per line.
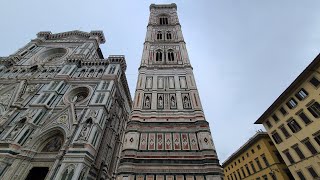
<point x="50" y="146"/>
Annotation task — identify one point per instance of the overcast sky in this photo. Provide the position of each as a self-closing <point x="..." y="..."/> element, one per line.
<point x="244" y="53"/>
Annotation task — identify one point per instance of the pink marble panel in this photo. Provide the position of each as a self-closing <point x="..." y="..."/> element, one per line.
<point x="143" y="141"/>
<point x="168" y="141"/>
<point x="176" y="141"/>
<point x="152" y="139"/>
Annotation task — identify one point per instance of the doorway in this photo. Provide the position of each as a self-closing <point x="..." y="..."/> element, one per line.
<point x="37" y="173"/>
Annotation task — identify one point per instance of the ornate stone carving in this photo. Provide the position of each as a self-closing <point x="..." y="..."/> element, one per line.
<point x="84" y="131"/>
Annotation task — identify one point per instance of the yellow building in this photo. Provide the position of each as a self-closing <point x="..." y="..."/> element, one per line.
<point x="257" y="159"/>
<point x="294" y="125"/>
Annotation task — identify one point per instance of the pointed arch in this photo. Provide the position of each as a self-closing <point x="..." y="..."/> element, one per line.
<point x="43" y="139"/>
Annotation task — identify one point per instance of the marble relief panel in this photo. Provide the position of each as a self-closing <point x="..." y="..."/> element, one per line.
<point x="179" y="177"/>
<point x="140" y="177"/>
<point x="169" y="177"/>
<point x="161" y="81"/>
<point x="149" y="82"/>
<point x="160" y="144"/>
<point x="160" y="177"/>
<point x="168" y="138"/>
<point x="143" y="141"/>
<point x="183" y="83"/>
<point x="185" y="141"/>
<point x="152" y="139"/>
<point x="176" y="141"/>
<point x="150" y="177"/>
<point x="193" y="141"/>
<point x="171" y="82"/>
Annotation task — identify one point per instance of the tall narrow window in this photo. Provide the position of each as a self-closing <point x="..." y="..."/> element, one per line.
<point x="317" y="138"/>
<point x="283" y="111"/>
<point x="315" y="109"/>
<point x="248" y="170"/>
<point x="298" y="151"/>
<point x="112" y="69"/>
<point x="265" y="160"/>
<point x="242" y="170"/>
<point x="239" y="174"/>
<point x="24" y="137"/>
<point x="252" y="166"/>
<point x="312" y="172"/>
<point x="309" y="145"/>
<point x="305" y="118"/>
<point x="284" y="131"/>
<point x="294" y="126"/>
<point x="258" y="163"/>
<point x="289" y="157"/>
<point x="314" y="81"/>
<point x="158" y="55"/>
<point x="95" y="138"/>
<point x="301" y="176"/>
<point x="275" y="118"/>
<point x="301" y="94"/>
<point x="292" y="103"/>
<point x="169" y="36"/>
<point x="105" y="85"/>
<point x="170" y="55"/>
<point x="276" y="137"/>
<point x="159" y="35"/>
<point x="163" y="20"/>
<point x="268" y="124"/>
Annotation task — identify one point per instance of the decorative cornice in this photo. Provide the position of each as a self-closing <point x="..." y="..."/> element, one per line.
<point x="47" y="35"/>
<point x="259" y="135"/>
<point x="159" y="6"/>
<point x="118" y="59"/>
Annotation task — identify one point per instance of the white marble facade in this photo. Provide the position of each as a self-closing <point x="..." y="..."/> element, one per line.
<point x="64" y="108"/>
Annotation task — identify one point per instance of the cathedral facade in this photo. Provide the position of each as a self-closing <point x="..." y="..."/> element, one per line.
<point x="67" y="114"/>
<point x="64" y="108"/>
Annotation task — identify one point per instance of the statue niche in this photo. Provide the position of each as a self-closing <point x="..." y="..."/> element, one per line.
<point x="85" y="129"/>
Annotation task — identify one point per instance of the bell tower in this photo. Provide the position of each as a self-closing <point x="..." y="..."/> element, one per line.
<point x="167" y="137"/>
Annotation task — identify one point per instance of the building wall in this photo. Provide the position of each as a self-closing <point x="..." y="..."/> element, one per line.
<point x="239" y="167"/>
<point x="63" y="108"/>
<point x="306" y="131"/>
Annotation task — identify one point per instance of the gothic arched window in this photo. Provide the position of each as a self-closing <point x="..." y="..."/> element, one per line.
<point x="170" y="55"/>
<point x="91" y="72"/>
<point x="169" y="36"/>
<point x="100" y="72"/>
<point x="163" y="20"/>
<point x="82" y="72"/>
<point x="159" y="55"/>
<point x="159" y="35"/>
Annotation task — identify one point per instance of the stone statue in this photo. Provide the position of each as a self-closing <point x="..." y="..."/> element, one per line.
<point x="173" y="102"/>
<point x="186" y="102"/>
<point x="147" y="102"/>
<point x="160" y="102"/>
